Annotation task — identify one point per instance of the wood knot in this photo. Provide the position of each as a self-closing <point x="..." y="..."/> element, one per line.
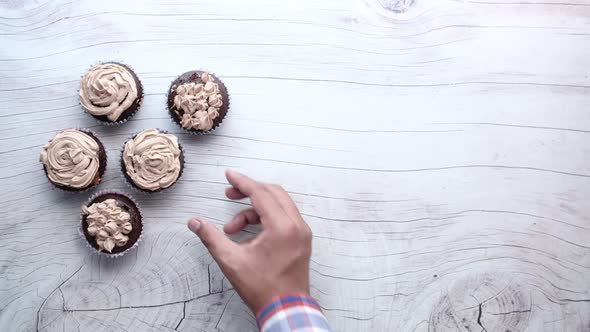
<point x="396" y="6"/>
<point x="488" y="302"/>
<point x="394" y="11"/>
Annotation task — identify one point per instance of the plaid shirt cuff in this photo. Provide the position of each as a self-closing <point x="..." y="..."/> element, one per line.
<point x="293" y="312"/>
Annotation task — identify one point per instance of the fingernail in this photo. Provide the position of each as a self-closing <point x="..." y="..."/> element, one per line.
<point x="194" y="225"/>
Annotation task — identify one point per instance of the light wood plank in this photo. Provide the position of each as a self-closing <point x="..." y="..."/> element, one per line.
<point x="439" y="149"/>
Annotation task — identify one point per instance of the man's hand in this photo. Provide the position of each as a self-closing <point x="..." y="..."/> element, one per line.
<point x="274" y="263"/>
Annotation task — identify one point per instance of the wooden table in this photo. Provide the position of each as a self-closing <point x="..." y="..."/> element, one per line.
<point x="439" y="150"/>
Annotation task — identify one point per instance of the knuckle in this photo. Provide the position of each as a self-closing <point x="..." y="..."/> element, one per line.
<point x="287" y="232"/>
<point x="275" y="187"/>
<point x="259" y="186"/>
<point x="295" y="232"/>
<point x="306" y="234"/>
<point x="303" y="250"/>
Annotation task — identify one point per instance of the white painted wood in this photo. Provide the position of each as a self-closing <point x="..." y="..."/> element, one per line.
<point x="440" y="151"/>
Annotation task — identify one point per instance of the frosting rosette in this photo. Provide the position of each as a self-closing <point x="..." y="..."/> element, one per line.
<point x="108" y="223"/>
<point x="198" y="104"/>
<point x="152" y="160"/>
<point x="198" y="101"/>
<point x="108" y="90"/>
<point x="71" y="159"/>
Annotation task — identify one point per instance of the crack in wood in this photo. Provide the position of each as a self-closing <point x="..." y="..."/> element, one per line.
<point x="574" y="300"/>
<point x="223" y="311"/>
<point x="142" y="306"/>
<point x="430" y="85"/>
<point x="77" y="322"/>
<point x="63" y="299"/>
<point x="51" y="293"/>
<point x="188" y="287"/>
<point x="359" y="319"/>
<point x="479" y="319"/>
<point x="516" y="126"/>
<point x="183" y="316"/>
<point x="509" y="312"/>
<point x="209" y="276"/>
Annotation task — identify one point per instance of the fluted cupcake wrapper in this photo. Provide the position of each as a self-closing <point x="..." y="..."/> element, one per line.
<point x="128" y="181"/>
<point x="192" y="131"/>
<point x="102" y="253"/>
<point x="75" y="191"/>
<point x="113" y="123"/>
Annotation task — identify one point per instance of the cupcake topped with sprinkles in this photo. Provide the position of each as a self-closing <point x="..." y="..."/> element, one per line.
<point x="152" y="160"/>
<point x="198" y="101"/>
<point x="111" y="92"/>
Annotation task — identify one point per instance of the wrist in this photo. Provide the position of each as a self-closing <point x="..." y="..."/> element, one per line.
<point x="262" y="298"/>
<point x="284" y="302"/>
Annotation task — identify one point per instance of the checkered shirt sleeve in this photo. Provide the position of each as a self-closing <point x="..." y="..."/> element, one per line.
<point x="293" y="313"/>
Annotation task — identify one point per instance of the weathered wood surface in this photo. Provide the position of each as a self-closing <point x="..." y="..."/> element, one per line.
<point x="440" y="151"/>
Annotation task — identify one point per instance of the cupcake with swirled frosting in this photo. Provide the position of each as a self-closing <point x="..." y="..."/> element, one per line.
<point x="198" y="101"/>
<point x="111" y="92"/>
<point x="111" y="223"/>
<point x="74" y="160"/>
<point x="152" y="160"/>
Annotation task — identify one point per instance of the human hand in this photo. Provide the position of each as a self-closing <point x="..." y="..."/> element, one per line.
<point x="274" y="263"/>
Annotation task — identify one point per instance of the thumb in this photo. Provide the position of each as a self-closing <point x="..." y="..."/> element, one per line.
<point x="219" y="245"/>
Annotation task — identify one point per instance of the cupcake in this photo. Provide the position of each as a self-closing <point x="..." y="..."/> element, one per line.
<point x="111" y="223"/>
<point x="198" y="101"/>
<point x="111" y="92"/>
<point x="152" y="160"/>
<point x="74" y="160"/>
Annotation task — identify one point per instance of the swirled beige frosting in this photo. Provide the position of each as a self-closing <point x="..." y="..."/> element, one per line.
<point x="198" y="104"/>
<point x="152" y="159"/>
<point x="108" y="90"/>
<point x="71" y="159"/>
<point x="108" y="223"/>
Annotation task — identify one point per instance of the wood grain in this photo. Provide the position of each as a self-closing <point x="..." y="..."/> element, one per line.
<point x="439" y="149"/>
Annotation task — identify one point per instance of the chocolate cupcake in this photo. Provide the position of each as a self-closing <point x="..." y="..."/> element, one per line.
<point x="111" y="223"/>
<point x="111" y="92"/>
<point x="74" y="160"/>
<point x="152" y="160"/>
<point x="198" y="101"/>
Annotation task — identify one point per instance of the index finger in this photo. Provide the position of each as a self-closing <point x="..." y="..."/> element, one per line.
<point x="262" y="199"/>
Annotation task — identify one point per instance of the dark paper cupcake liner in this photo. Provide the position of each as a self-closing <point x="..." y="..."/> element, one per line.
<point x="192" y="131"/>
<point x="127" y="179"/>
<point x="74" y="191"/>
<point x="102" y="253"/>
<point x="141" y="97"/>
